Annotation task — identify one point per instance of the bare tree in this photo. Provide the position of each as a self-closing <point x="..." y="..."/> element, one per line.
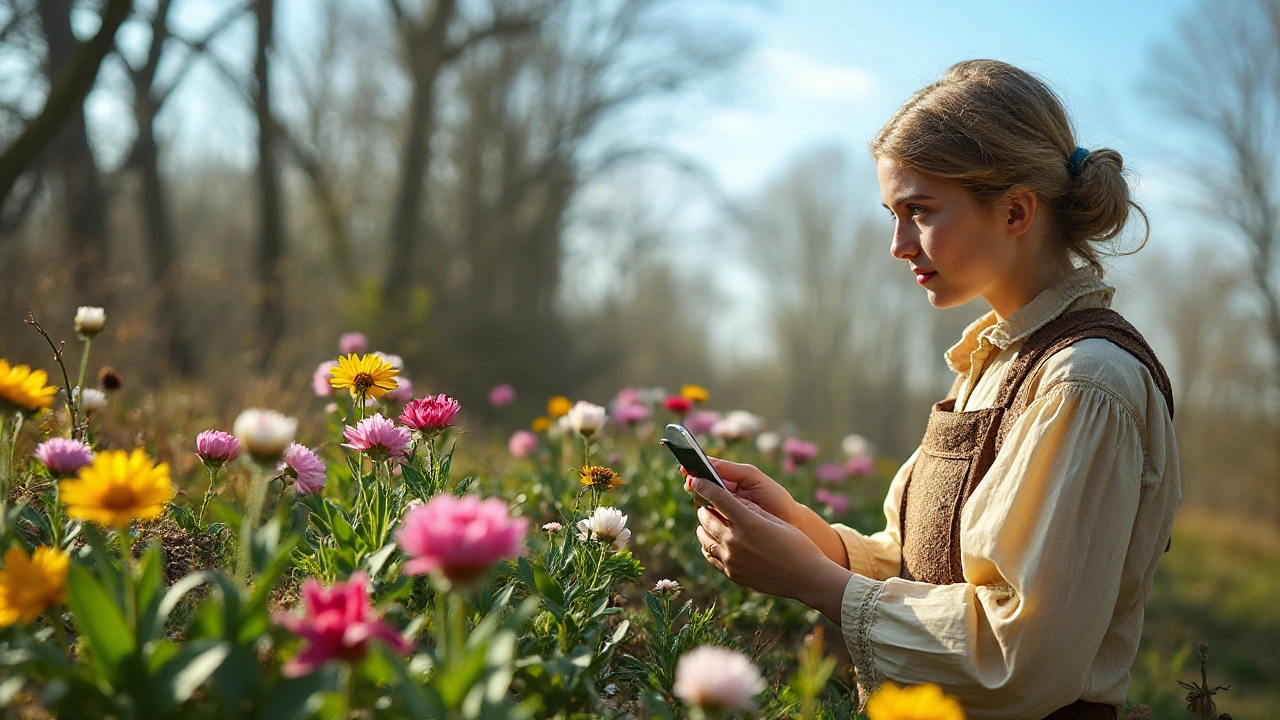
<point x="270" y="202"/>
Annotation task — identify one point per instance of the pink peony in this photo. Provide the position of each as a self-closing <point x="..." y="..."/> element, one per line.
<point x="630" y="414"/>
<point x="63" y="456"/>
<point x="838" y="503"/>
<point x="300" y="462"/>
<point x="216" y="447"/>
<point x="628" y="396"/>
<point x="829" y="473"/>
<point x="502" y="395"/>
<point x="717" y="679"/>
<point x="860" y="465"/>
<point x="460" y="537"/>
<point x="353" y="343"/>
<point x="522" y="443"/>
<point x="701" y="422"/>
<point x="336" y="625"/>
<point x="799" y="451"/>
<point x="430" y="415"/>
<point x="678" y="404"/>
<point x="403" y="392"/>
<point x="320" y="379"/>
<point x="378" y="436"/>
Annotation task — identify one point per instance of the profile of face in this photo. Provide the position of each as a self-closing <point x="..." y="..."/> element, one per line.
<point x="958" y="248"/>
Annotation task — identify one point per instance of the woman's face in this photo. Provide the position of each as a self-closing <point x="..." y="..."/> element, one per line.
<point x="954" y="244"/>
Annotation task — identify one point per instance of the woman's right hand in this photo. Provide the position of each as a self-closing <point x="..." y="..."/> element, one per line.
<point x="748" y="482"/>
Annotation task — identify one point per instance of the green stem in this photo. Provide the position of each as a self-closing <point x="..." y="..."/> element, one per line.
<point x="213" y="479"/>
<point x="130" y="591"/>
<point x="60" y="631"/>
<point x="249" y="525"/>
<point x="4" y="464"/>
<point x="79" y="405"/>
<point x="442" y="628"/>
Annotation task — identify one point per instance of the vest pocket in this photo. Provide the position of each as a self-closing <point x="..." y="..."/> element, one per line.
<point x="931" y="517"/>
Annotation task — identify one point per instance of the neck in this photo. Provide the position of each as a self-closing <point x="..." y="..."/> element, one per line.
<point x="1021" y="287"/>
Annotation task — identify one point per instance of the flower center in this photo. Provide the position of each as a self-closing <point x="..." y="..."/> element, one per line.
<point x="119" y="497"/>
<point x="362" y="382"/>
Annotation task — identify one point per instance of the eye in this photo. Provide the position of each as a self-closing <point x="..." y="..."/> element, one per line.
<point x="916" y="210"/>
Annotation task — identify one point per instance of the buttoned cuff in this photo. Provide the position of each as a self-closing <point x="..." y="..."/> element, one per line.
<point x="857" y="609"/>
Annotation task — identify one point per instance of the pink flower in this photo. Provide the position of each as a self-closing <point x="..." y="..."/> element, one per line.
<point x="430" y="415"/>
<point x="717" y="679"/>
<point x="678" y="404"/>
<point x="829" y="473"/>
<point x="353" y="343"/>
<point x="378" y="436"/>
<point x="403" y="392"/>
<point x="502" y="395"/>
<point x="300" y="462"/>
<point x="701" y="422"/>
<point x="460" y="537"/>
<point x="63" y="456"/>
<point x="630" y="414"/>
<point x="838" y="503"/>
<point x="627" y="396"/>
<point x="320" y="379"/>
<point x="216" y="447"/>
<point x="860" y="465"/>
<point x="522" y="443"/>
<point x="336" y="625"/>
<point x="799" y="451"/>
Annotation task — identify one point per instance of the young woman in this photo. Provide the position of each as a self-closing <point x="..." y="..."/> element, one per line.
<point x="1023" y="534"/>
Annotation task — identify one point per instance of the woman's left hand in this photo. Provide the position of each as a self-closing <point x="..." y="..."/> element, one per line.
<point x="757" y="550"/>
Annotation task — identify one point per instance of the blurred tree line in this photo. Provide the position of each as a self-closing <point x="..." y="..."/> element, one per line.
<point x="486" y="188"/>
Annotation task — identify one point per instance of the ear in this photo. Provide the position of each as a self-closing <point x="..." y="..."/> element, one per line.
<point x="1021" y="205"/>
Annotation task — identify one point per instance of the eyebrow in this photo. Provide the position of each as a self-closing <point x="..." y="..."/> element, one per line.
<point x="906" y="199"/>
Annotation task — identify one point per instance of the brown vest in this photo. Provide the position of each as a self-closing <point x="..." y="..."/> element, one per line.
<point x="959" y="448"/>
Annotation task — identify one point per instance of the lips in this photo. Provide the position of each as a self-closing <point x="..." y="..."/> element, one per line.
<point x="923" y="277"/>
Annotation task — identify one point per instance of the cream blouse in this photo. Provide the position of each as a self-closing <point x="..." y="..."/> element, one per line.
<point x="1059" y="542"/>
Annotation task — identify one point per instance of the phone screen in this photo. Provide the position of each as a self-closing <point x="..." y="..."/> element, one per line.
<point x="689" y="454"/>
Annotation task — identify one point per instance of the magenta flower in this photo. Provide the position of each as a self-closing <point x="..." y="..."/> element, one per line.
<point x="701" y="422"/>
<point x="522" y="443"/>
<point x="860" y="465"/>
<point x="829" y="473"/>
<point x="403" y="392"/>
<point x="336" y="625"/>
<point x="299" y="461"/>
<point x="838" y="503"/>
<point x="378" y="436"/>
<point x="431" y="414"/>
<point x="63" y="456"/>
<point x="630" y="414"/>
<point x="353" y="343"/>
<point x="502" y="395"/>
<point x="677" y="404"/>
<point x="799" y="451"/>
<point x="320" y="379"/>
<point x="627" y="396"/>
<point x="216" y="448"/>
<point x="460" y="537"/>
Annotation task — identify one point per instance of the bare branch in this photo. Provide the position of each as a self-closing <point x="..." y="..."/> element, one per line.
<point x="197" y="48"/>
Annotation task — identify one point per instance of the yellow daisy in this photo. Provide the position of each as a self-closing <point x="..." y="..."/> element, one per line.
<point x="695" y="393"/>
<point x="118" y="487"/>
<point x="600" y="478"/>
<point x="30" y="584"/>
<point x="369" y="375"/>
<point x="24" y="388"/>
<point x="559" y="405"/>
<point x="541" y="424"/>
<point x="922" y="702"/>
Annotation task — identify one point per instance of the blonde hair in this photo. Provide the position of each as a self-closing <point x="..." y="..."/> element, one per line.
<point x="989" y="126"/>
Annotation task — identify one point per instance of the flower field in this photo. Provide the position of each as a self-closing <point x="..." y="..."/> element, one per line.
<point x="381" y="559"/>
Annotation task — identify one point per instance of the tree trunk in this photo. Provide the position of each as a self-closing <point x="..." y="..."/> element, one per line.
<point x="271" y="228"/>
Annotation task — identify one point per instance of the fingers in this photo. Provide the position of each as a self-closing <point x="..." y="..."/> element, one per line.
<point x="713" y="525"/>
<point x="729" y="470"/>
<point x="728" y="505"/>
<point x="714" y="552"/>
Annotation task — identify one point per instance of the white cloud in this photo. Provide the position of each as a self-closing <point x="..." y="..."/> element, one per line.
<point x="812" y="78"/>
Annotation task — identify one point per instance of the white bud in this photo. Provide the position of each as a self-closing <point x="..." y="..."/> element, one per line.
<point x="585" y="418"/>
<point x="264" y="434"/>
<point x="90" y="320"/>
<point x="94" y="400"/>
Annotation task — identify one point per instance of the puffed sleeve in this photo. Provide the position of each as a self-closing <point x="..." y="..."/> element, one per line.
<point x="1044" y="540"/>
<point x="879" y="556"/>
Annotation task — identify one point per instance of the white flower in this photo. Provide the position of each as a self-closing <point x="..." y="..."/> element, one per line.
<point x="855" y="446"/>
<point x="611" y="689"/>
<point x="608" y="524"/>
<point x="585" y="418"/>
<point x="94" y="399"/>
<point x="394" y="361"/>
<point x="553" y="527"/>
<point x="264" y="434"/>
<point x="664" y="586"/>
<point x="737" y="425"/>
<point x="653" y="396"/>
<point x="717" y="679"/>
<point x="768" y="442"/>
<point x="90" y="320"/>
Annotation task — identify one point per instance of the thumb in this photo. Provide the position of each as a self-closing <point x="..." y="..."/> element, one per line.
<point x="729" y="470"/>
<point x="722" y="500"/>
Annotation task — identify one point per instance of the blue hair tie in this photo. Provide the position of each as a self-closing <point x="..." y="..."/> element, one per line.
<point x="1077" y="159"/>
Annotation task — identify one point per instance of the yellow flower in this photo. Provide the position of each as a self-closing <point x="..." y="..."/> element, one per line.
<point x="922" y="702"/>
<point x="600" y="478"/>
<point x="118" y="487"/>
<point x="29" y="585"/>
<point x="559" y="405"/>
<point x="24" y="388"/>
<point x="695" y="393"/>
<point x="369" y="375"/>
<point x="541" y="424"/>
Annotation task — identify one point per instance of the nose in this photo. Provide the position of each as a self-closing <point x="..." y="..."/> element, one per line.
<point x="905" y="244"/>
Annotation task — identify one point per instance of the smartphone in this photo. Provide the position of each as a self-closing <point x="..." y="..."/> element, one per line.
<point x="687" y="451"/>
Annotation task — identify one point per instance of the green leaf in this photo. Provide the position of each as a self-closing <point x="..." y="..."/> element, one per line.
<point x="153" y="620"/>
<point x="185" y="672"/>
<point x="101" y="622"/>
<point x="291" y="698"/>
<point x="656" y="608"/>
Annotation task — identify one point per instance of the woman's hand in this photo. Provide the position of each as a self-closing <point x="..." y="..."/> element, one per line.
<point x="756" y="549"/>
